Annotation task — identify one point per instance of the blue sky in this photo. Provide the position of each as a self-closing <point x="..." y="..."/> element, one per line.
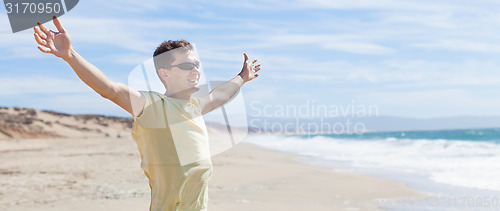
<point x="410" y="58"/>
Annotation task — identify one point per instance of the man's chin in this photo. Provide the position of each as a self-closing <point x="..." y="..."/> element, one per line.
<point x="193" y="89"/>
<point x="196" y="87"/>
<point x="189" y="91"/>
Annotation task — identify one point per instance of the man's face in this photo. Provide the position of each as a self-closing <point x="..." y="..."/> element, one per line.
<point x="183" y="80"/>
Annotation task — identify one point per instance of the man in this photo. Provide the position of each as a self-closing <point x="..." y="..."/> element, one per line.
<point x="168" y="128"/>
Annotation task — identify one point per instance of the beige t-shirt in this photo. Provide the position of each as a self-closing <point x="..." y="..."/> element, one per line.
<point x="172" y="139"/>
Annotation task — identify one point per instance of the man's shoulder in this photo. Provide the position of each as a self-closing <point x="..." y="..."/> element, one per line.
<point x="152" y="94"/>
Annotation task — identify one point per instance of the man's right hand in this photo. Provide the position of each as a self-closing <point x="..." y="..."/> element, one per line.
<point x="57" y="43"/>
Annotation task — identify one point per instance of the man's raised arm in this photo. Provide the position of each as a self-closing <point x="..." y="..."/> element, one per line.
<point x="59" y="44"/>
<point x="223" y="93"/>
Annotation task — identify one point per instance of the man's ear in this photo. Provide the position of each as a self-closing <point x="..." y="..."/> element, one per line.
<point x="163" y="73"/>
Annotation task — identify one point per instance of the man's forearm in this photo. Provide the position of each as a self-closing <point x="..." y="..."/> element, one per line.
<point x="226" y="91"/>
<point x="90" y="74"/>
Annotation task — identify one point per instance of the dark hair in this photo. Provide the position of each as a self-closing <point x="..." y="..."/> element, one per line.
<point x="165" y="60"/>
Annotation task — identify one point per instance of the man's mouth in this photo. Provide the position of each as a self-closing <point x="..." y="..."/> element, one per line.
<point x="193" y="82"/>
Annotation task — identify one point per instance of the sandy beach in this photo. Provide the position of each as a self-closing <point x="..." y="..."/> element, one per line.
<point x="105" y="174"/>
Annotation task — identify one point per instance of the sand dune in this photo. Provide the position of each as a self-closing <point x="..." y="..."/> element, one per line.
<point x="18" y="122"/>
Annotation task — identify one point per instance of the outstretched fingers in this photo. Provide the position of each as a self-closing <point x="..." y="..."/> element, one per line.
<point x="40" y="33"/>
<point x="43" y="28"/>
<point x="44" y="49"/>
<point x="40" y="41"/>
<point x="257" y="68"/>
<point x="58" y="25"/>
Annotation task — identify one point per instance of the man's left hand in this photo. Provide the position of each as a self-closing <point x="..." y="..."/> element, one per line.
<point x="249" y="70"/>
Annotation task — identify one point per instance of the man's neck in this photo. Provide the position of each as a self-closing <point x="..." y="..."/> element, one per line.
<point x="184" y="95"/>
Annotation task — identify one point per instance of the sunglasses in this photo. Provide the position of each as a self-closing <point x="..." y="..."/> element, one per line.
<point x="186" y="65"/>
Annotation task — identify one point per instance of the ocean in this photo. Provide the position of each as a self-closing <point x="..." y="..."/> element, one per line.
<point x="460" y="168"/>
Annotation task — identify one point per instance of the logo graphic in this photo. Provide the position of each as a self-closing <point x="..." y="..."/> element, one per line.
<point x="25" y="14"/>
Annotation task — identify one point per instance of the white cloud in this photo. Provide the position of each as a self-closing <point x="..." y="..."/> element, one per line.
<point x="133" y="35"/>
<point x="461" y="45"/>
<point x="358" y="47"/>
<point x="302" y="77"/>
<point x="440" y="20"/>
<point x="236" y="4"/>
<point x="134" y="6"/>
<point x="22" y="52"/>
<point x="351" y="43"/>
<point x="391" y="73"/>
<point x="373" y="5"/>
<point x="125" y="59"/>
<point x="420" y="98"/>
<point x="328" y="4"/>
<point x="19" y="85"/>
<point x="452" y="98"/>
<point x="4" y="24"/>
<point x="52" y="93"/>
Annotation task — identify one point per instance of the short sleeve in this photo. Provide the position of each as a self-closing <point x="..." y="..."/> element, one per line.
<point x="152" y="115"/>
<point x="146" y="105"/>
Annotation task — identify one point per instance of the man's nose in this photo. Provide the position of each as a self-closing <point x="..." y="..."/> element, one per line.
<point x="196" y="70"/>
